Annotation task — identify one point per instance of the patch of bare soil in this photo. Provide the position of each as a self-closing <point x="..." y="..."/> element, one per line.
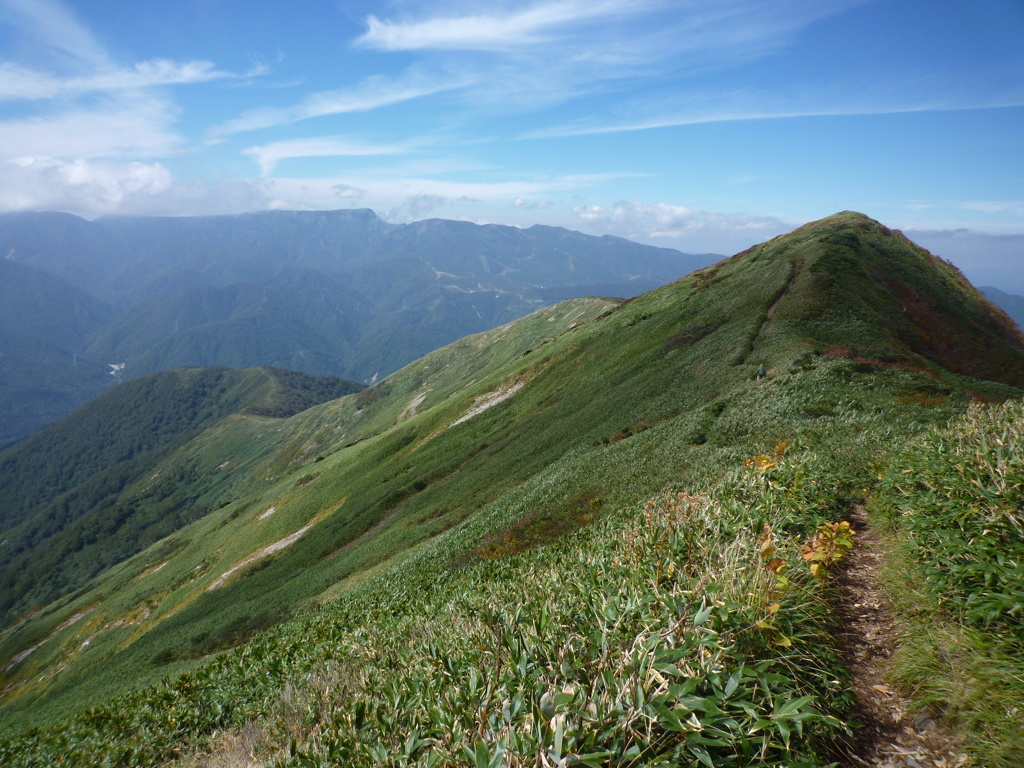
<point x="890" y="735"/>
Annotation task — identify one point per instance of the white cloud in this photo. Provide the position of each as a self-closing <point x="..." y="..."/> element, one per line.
<point x="1012" y="207"/>
<point x="406" y="197"/>
<point x="79" y="186"/>
<point x="757" y="107"/>
<point x="532" y="205"/>
<point x="90" y="188"/>
<point x="348" y="192"/>
<point x="385" y="190"/>
<point x="415" y="207"/>
<point x="554" y="50"/>
<point x="54" y="28"/>
<point x="131" y="125"/>
<point x="691" y="228"/>
<point x="269" y="155"/>
<point x="17" y="82"/>
<point x="494" y="31"/>
<point x="83" y="105"/>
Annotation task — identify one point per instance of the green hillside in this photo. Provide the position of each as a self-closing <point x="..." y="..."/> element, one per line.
<point x="65" y="515"/>
<point x="581" y="539"/>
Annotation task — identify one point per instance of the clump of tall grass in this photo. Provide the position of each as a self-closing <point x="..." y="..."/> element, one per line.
<point x="687" y="631"/>
<point x="677" y="638"/>
<point x="669" y="642"/>
<point x="959" y="496"/>
<point x="954" y="501"/>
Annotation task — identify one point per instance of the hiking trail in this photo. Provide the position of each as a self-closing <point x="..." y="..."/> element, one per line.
<point x="890" y="735"/>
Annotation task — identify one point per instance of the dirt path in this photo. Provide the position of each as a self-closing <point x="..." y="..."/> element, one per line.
<point x="891" y="737"/>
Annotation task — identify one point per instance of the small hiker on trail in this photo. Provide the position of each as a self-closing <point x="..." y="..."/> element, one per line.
<point x="761" y="373"/>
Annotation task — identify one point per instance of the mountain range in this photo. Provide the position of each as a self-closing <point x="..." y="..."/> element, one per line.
<point x="605" y="533"/>
<point x="339" y="293"/>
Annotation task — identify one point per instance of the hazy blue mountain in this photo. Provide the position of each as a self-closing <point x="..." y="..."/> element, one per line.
<point x="126" y="258"/>
<point x="44" y="323"/>
<point x="1010" y="303"/>
<point x="340" y="293"/>
<point x="302" y="320"/>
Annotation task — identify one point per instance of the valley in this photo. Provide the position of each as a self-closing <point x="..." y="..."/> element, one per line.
<point x="340" y="293"/>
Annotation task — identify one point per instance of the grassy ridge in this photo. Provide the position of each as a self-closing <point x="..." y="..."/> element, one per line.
<point x="566" y="613"/>
<point x="341" y="293"/>
<point x="240" y="469"/>
<point x="416" y="517"/>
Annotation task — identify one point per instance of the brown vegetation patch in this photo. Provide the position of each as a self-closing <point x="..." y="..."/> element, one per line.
<point x="692" y="335"/>
<point x="986" y="350"/>
<point x="707" y="278"/>
<point x="537" y="528"/>
<point x="850" y="353"/>
<point x="371" y="395"/>
<point x="623" y="434"/>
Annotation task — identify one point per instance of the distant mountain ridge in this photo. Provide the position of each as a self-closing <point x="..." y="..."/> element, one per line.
<point x="339" y="293"/>
<point x="124" y="258"/>
<point x="1010" y="303"/>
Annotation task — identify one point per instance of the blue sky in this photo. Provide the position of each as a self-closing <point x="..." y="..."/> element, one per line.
<point x="703" y="125"/>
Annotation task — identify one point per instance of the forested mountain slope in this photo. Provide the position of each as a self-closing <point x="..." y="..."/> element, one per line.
<point x="64" y="516"/>
<point x="44" y="322"/>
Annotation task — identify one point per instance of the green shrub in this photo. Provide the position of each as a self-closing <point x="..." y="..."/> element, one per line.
<point x="959" y="495"/>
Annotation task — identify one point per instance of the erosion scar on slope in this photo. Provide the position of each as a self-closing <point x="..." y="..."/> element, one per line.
<point x="778" y="300"/>
<point x="889" y="736"/>
<point x="491" y="399"/>
<point x="270" y="549"/>
<point x="771" y="310"/>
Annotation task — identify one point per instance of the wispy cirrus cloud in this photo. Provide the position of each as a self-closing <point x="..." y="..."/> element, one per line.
<point x="755" y="108"/>
<point x="18" y="82"/>
<point x="494" y="31"/>
<point x="53" y="28"/>
<point x="553" y="51"/>
<point x="1011" y="207"/>
<point x="269" y="155"/>
<point x="77" y="102"/>
<point x="372" y="93"/>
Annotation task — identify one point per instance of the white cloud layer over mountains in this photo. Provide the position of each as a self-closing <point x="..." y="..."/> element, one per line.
<point x="637" y="220"/>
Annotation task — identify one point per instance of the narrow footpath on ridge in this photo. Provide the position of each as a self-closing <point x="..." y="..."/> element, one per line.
<point x="890" y="736"/>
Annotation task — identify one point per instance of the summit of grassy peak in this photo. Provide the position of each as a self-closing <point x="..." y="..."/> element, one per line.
<point x="859" y="289"/>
